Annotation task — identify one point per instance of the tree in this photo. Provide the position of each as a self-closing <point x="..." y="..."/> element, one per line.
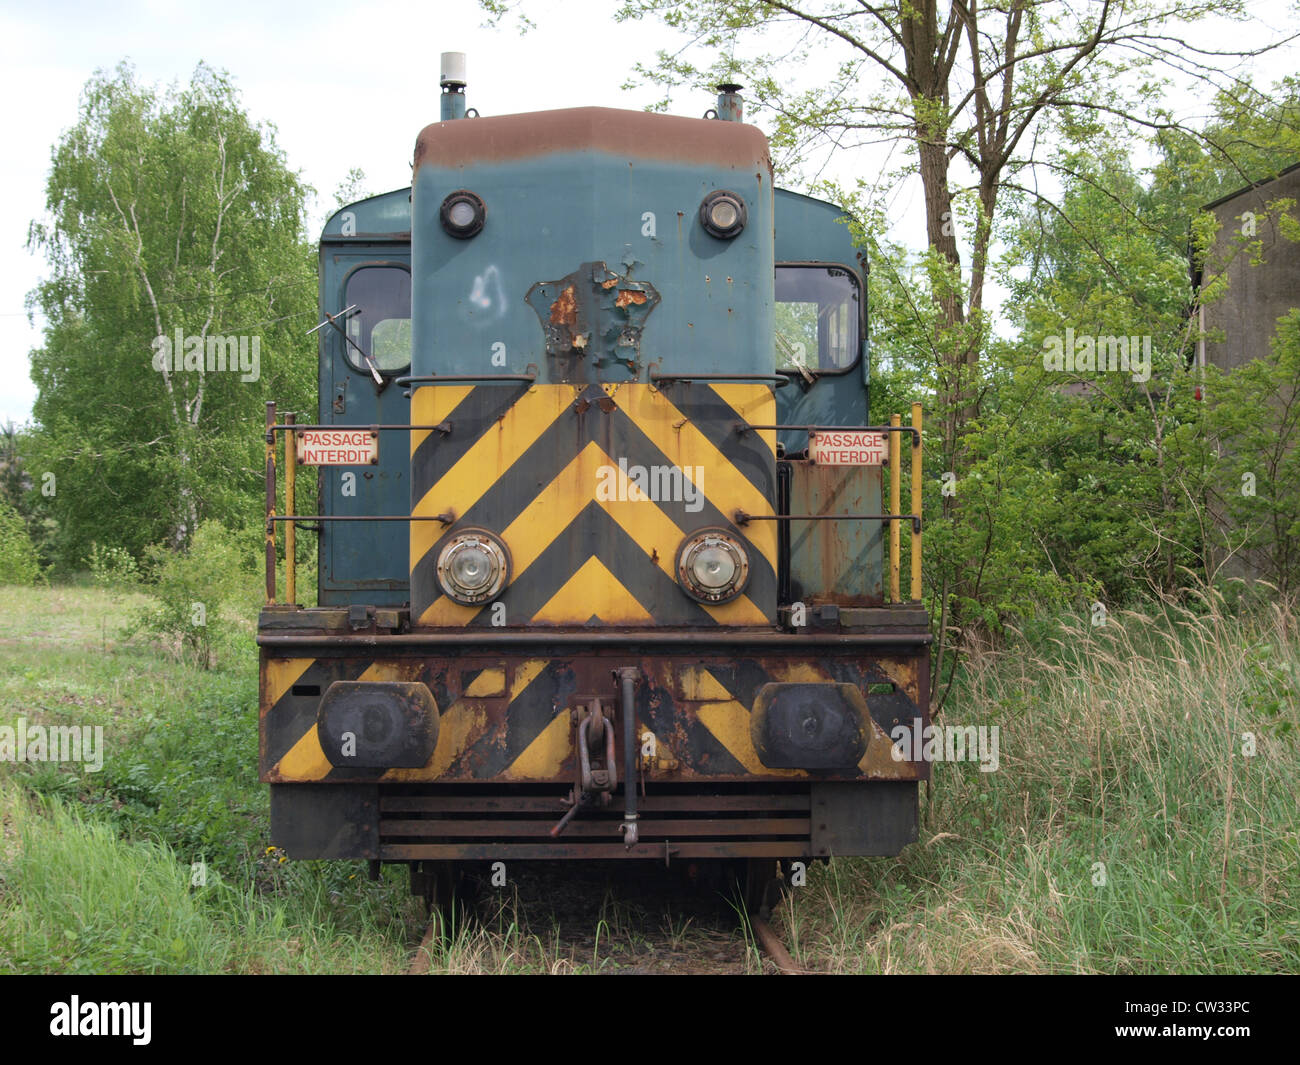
<point x="969" y="90"/>
<point x="180" y="291"/>
<point x="982" y="98"/>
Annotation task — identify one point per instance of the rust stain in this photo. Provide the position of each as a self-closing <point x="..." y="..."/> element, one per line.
<point x="632" y="134"/>
<point x="905" y="673"/>
<point x="879" y="762"/>
<point x="606" y="404"/>
<point x="627" y="296"/>
<point x="564" y="311"/>
<point x="610" y="283"/>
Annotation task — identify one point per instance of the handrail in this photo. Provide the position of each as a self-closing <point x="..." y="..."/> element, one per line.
<point x="744" y="427"/>
<point x="290" y="424"/>
<point x="290" y="533"/>
<point x="289" y="427"/>
<point x="893" y="518"/>
<point x="463" y="378"/>
<point x="895" y="491"/>
<point x="446" y="517"/>
<point x="741" y="518"/>
<point x="776" y="379"/>
<point x="916" y="500"/>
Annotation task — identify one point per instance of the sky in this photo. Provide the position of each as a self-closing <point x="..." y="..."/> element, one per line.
<point x="346" y="85"/>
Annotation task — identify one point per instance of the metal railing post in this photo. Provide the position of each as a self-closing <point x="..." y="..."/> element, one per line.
<point x="290" y="541"/>
<point x="916" y="502"/>
<point x="270" y="502"/>
<point x="895" y="485"/>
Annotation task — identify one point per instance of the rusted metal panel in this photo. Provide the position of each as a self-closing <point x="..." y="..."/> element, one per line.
<point x="638" y="134"/>
<point x="836" y="561"/>
<point x="511" y="718"/>
<point x="590" y="318"/>
<point x="339" y="822"/>
<point x="847" y="819"/>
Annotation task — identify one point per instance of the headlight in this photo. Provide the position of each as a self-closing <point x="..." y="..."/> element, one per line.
<point x="722" y="214"/>
<point x="473" y="567"/>
<point x="712" y="566"/>
<point x="462" y="214"/>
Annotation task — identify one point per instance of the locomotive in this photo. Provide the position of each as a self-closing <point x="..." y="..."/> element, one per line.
<point x="602" y="534"/>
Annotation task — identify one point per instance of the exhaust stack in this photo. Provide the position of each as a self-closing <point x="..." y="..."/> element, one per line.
<point x="452" y="80"/>
<point x="731" y="108"/>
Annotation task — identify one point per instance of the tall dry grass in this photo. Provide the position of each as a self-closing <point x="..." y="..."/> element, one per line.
<point x="1129" y="826"/>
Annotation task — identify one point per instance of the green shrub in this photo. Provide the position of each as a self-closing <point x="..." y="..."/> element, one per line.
<point x="18" y="561"/>
<point x="190" y="589"/>
<point x="112" y="567"/>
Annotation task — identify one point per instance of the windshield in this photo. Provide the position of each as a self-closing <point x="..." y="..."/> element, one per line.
<point x="817" y="318"/>
<point x="381" y="325"/>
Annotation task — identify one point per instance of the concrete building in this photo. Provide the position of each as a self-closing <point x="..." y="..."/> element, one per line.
<point x="1258" y="293"/>
<point x="1262" y="270"/>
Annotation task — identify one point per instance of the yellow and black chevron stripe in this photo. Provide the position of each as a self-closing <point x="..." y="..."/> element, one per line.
<point x="509" y="720"/>
<point x="499" y="720"/>
<point x="524" y="462"/>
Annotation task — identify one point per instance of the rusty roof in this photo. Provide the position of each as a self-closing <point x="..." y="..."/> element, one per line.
<point x="635" y="134"/>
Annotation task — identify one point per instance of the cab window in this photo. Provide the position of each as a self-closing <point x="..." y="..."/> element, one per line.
<point x="818" y="318"/>
<point x="381" y="323"/>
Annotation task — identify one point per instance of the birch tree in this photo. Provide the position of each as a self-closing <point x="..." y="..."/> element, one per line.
<point x="174" y="227"/>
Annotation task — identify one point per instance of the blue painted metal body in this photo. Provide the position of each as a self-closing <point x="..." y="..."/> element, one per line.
<point x="362" y="562"/>
<point x="831" y="562"/>
<point x="549" y="210"/>
<point x="480" y="307"/>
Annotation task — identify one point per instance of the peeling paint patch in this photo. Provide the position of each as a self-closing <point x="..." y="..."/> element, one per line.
<point x="591" y="318"/>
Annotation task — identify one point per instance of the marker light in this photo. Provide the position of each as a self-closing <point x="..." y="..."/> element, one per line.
<point x="462" y="214"/>
<point x="722" y="214"/>
<point x="473" y="567"/>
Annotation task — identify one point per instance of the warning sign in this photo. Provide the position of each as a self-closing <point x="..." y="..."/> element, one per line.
<point x="338" y="447"/>
<point x="847" y="448"/>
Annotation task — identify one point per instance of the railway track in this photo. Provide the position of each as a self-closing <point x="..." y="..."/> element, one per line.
<point x="629" y="927"/>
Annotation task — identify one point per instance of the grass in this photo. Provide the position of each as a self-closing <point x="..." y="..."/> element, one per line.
<point x="96" y="869"/>
<point x="1124" y="831"/>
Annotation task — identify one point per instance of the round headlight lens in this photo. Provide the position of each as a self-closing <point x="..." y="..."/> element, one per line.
<point x="722" y="214"/>
<point x="713" y="566"/>
<point x="462" y="214"/>
<point x="473" y="567"/>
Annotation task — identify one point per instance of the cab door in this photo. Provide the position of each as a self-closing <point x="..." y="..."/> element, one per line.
<point x="368" y="290"/>
<point x="820" y="346"/>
